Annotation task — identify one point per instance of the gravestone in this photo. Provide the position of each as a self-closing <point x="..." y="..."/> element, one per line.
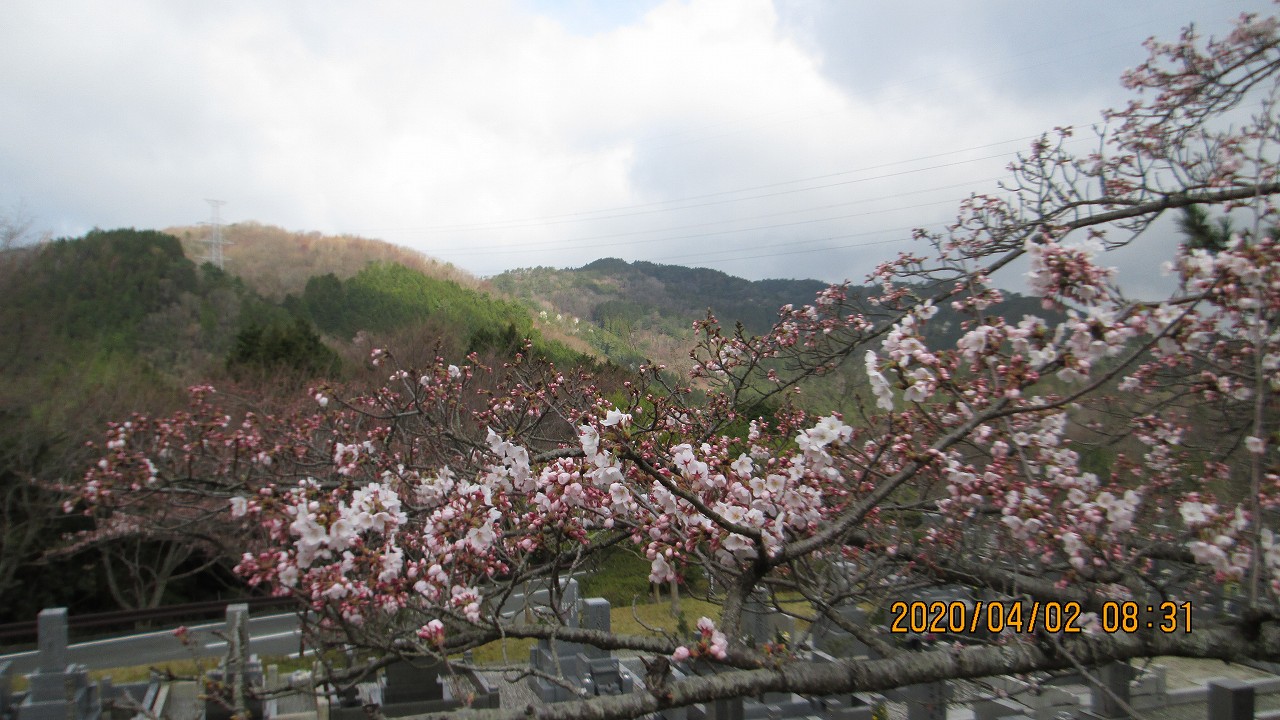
<point x="594" y="615"/>
<point x="831" y="638"/>
<point x="106" y="694"/>
<point x="220" y="690"/>
<point x="1210" y="606"/>
<point x="859" y="706"/>
<point x="605" y="675"/>
<point x="1150" y="689"/>
<point x="947" y="594"/>
<point x="237" y="655"/>
<point x="770" y="706"/>
<point x="557" y="657"/>
<point x="412" y="682"/>
<point x="999" y="709"/>
<point x="412" y="688"/>
<point x="1049" y="703"/>
<point x="1230" y="700"/>
<point x="764" y="624"/>
<point x="232" y="688"/>
<point x="730" y="709"/>
<point x="845" y="707"/>
<point x="57" y="690"/>
<point x="51" y="628"/>
<point x="1109" y="699"/>
<point x="678" y="672"/>
<point x="926" y="701"/>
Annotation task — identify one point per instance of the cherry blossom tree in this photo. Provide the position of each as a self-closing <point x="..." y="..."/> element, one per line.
<point x="1116" y="449"/>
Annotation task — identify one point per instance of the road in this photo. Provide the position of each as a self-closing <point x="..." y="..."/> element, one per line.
<point x="276" y="635"/>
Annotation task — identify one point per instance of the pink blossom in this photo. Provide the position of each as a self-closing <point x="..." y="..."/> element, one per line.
<point x="432" y="632"/>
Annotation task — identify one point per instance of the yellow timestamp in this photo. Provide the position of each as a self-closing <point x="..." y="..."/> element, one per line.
<point x="959" y="617"/>
<point x="1129" y="616"/>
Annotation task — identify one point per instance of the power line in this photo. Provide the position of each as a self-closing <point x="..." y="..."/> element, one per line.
<point x="579" y="243"/>
<point x="639" y="208"/>
<point x="842" y="236"/>
<point x="638" y="237"/>
<point x="593" y="240"/>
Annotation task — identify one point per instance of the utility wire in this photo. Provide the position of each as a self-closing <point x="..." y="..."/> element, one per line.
<point x="594" y="240"/>
<point x="546" y="220"/>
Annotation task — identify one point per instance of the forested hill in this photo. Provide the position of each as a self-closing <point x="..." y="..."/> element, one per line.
<point x="630" y="312"/>
<point x="121" y="321"/>
<point x="276" y="262"/>
<point x="634" y="311"/>
<point x="610" y="290"/>
<point x="98" y="327"/>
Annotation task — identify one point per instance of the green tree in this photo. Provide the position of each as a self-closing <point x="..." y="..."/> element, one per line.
<point x="289" y="344"/>
<point x="1201" y="232"/>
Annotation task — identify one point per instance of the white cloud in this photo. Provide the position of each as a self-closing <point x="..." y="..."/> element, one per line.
<point x="500" y="133"/>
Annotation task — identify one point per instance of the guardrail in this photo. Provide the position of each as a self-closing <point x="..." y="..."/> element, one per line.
<point x="23" y="632"/>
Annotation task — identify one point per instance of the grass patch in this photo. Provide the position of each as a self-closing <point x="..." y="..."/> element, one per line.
<point x="138" y="673"/>
<point x="621" y="576"/>
<point x="624" y="620"/>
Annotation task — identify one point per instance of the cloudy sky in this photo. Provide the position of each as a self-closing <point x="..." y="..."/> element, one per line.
<point x="794" y="138"/>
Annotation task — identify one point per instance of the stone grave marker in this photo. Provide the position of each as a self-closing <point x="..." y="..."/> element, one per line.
<point x="1150" y="689"/>
<point x="106" y="694"/>
<point x="412" y="682"/>
<point x="755" y="621"/>
<point x="1044" y="702"/>
<point x="605" y="675"/>
<point x="51" y="628"/>
<point x="57" y="689"/>
<point x="843" y="707"/>
<point x="239" y="673"/>
<point x="1231" y="699"/>
<point x="730" y="709"/>
<point x="127" y="700"/>
<point x="1050" y="702"/>
<point x="831" y="638"/>
<point x="762" y="624"/>
<point x="238" y="655"/>
<point x="1109" y="699"/>
<point x="557" y="657"/>
<point x="690" y="712"/>
<point x="594" y="615"/>
<point x="926" y="701"/>
<point x="947" y="594"/>
<point x="999" y="709"/>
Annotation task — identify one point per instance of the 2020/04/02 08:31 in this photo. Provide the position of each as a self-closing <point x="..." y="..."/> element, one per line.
<point x="959" y="617"/>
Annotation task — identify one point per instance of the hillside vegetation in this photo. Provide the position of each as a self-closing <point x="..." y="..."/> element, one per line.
<point x="385" y="298"/>
<point x="637" y="312"/>
<point x="94" y="328"/>
<point x="276" y="262"/>
<point x="123" y="321"/>
<point x="631" y="312"/>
